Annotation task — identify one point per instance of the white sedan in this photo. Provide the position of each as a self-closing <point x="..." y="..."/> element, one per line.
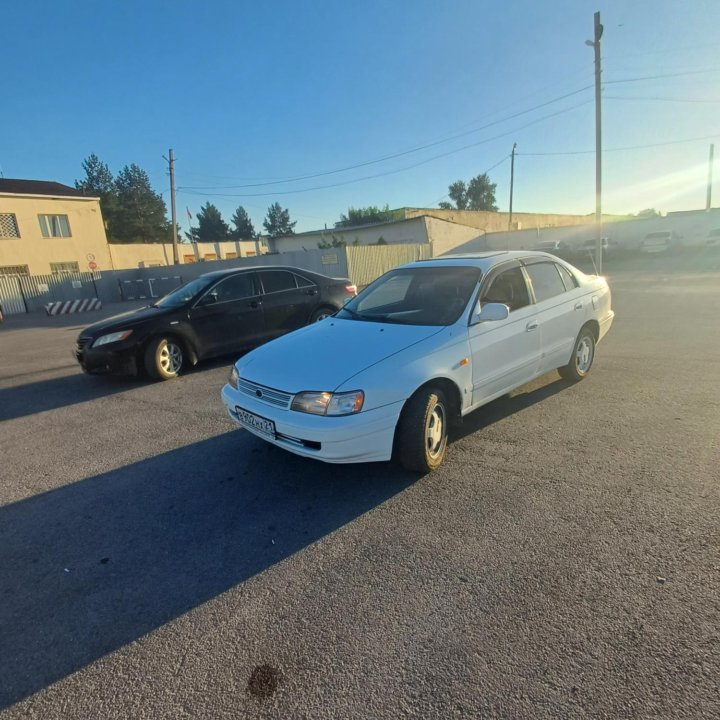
<point x="424" y="345"/>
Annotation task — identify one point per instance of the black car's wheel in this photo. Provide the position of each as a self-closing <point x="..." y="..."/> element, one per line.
<point x="164" y="358"/>
<point x="582" y="356"/>
<point x="321" y="313"/>
<point x="423" y="431"/>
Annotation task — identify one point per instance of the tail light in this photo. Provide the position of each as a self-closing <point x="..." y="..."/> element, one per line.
<point x="351" y="289"/>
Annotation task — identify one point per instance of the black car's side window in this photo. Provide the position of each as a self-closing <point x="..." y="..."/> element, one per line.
<point x="546" y="280"/>
<point x="235" y="287"/>
<point x="303" y="282"/>
<point x="509" y="288"/>
<point x="277" y="281"/>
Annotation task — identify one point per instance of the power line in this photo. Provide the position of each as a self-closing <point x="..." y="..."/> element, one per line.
<point x="393" y="155"/>
<point x="659" y="77"/>
<point x="189" y="191"/>
<point x="665" y="99"/>
<point x="620" y="149"/>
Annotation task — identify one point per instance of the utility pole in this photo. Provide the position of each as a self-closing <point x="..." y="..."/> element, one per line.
<point x="512" y="181"/>
<point x="171" y="164"/>
<point x="708" y="202"/>
<point x="595" y="44"/>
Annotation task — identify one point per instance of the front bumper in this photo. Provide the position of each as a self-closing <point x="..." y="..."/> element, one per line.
<point x="97" y="361"/>
<point x="364" y="437"/>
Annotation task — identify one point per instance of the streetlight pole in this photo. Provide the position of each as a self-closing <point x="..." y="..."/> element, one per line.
<point x="595" y="44"/>
<point x="512" y="180"/>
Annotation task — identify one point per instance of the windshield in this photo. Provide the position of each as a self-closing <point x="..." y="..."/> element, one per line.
<point x="415" y="296"/>
<point x="184" y="293"/>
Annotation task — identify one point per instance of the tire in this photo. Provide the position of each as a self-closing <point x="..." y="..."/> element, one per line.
<point x="582" y="356"/>
<point x="164" y="358"/>
<point x="423" y="431"/>
<point x="321" y="313"/>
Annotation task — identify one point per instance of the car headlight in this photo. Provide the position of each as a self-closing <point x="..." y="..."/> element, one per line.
<point x="327" y="403"/>
<point x="112" y="337"/>
<point x="233" y="379"/>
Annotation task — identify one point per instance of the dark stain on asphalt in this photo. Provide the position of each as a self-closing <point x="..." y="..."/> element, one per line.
<point x="104" y="561"/>
<point x="263" y="681"/>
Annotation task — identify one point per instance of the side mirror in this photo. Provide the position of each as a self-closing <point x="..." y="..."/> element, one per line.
<point x="492" y="312"/>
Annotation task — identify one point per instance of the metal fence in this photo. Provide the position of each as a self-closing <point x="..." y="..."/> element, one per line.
<point x="362" y="264"/>
<point x="30" y="293"/>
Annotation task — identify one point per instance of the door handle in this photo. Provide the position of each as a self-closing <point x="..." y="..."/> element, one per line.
<point x="578" y="306"/>
<point x="255" y="303"/>
<point x="311" y="291"/>
<point x="532" y="325"/>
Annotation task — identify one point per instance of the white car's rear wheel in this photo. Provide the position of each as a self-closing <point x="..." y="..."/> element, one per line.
<point x="582" y="356"/>
<point x="423" y="431"/>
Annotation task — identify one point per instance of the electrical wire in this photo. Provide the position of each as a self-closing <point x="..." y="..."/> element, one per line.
<point x="188" y="191"/>
<point x="659" y="77"/>
<point x="619" y="149"/>
<point x="664" y="99"/>
<point x="393" y="155"/>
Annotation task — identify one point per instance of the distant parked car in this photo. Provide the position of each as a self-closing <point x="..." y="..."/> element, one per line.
<point x="215" y="314"/>
<point x="424" y="345"/>
<point x="551" y="246"/>
<point x="657" y="242"/>
<point x="713" y="237"/>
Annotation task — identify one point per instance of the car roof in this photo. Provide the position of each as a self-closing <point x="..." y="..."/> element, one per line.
<point x="233" y="271"/>
<point x="482" y="260"/>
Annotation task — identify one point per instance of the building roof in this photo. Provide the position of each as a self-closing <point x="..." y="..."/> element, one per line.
<point x="37" y="187"/>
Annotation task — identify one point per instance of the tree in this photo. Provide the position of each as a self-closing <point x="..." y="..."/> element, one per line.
<point x="244" y="229"/>
<point x="367" y="215"/>
<point x="141" y="211"/>
<point x="648" y="213"/>
<point x="335" y="242"/>
<point x="277" y="222"/>
<point x="99" y="182"/>
<point x="211" y="227"/>
<point x="478" y="194"/>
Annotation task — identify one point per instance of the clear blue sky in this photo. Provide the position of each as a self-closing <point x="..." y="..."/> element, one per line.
<point x="256" y="92"/>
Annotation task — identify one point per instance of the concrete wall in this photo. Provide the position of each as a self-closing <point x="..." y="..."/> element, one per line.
<point x="692" y="226"/>
<point x="87" y="233"/>
<point x="446" y="237"/>
<point x="161" y="254"/>
<point x="402" y="232"/>
<point x="498" y="221"/>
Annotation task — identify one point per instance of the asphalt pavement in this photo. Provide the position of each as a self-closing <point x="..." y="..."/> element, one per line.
<point x="563" y="562"/>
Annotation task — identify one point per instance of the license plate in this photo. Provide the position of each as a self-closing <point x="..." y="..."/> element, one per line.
<point x="255" y="422"/>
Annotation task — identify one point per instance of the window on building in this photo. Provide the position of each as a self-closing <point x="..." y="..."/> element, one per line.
<point x="230" y="256"/>
<point x="8" y="226"/>
<point x="210" y="256"/>
<point x="14" y="270"/>
<point x="54" y="226"/>
<point x="64" y="267"/>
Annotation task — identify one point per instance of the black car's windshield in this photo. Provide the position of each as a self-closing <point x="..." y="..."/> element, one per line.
<point x="415" y="296"/>
<point x="184" y="293"/>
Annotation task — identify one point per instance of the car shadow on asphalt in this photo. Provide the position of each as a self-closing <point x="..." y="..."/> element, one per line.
<point x="538" y="390"/>
<point x="34" y="397"/>
<point x="89" y="567"/>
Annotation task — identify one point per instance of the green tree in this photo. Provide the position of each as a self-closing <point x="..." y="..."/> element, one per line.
<point x="367" y="215"/>
<point x="478" y="194"/>
<point x="141" y="212"/>
<point x="648" y="213"/>
<point x="243" y="229"/>
<point x="99" y="182"/>
<point x="277" y="222"/>
<point x="334" y="242"/>
<point x="211" y="227"/>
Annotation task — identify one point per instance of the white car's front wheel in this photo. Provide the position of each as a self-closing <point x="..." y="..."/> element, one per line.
<point x="423" y="431"/>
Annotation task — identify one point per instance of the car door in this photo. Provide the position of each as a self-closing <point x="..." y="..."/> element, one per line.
<point x="560" y="310"/>
<point x="286" y="306"/>
<point x="229" y="316"/>
<point x="505" y="353"/>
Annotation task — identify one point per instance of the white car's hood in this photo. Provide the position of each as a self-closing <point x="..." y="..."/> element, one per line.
<point x="324" y="355"/>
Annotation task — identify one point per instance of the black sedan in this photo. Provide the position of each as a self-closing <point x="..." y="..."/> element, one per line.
<point x="216" y="314"/>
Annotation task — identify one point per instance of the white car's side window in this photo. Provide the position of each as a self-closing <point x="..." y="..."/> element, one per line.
<point x="509" y="288"/>
<point x="546" y="280"/>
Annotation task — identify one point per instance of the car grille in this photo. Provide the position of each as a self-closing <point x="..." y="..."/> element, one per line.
<point x="277" y="398"/>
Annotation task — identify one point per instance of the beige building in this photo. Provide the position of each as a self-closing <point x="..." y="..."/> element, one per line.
<point x="47" y="227"/>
